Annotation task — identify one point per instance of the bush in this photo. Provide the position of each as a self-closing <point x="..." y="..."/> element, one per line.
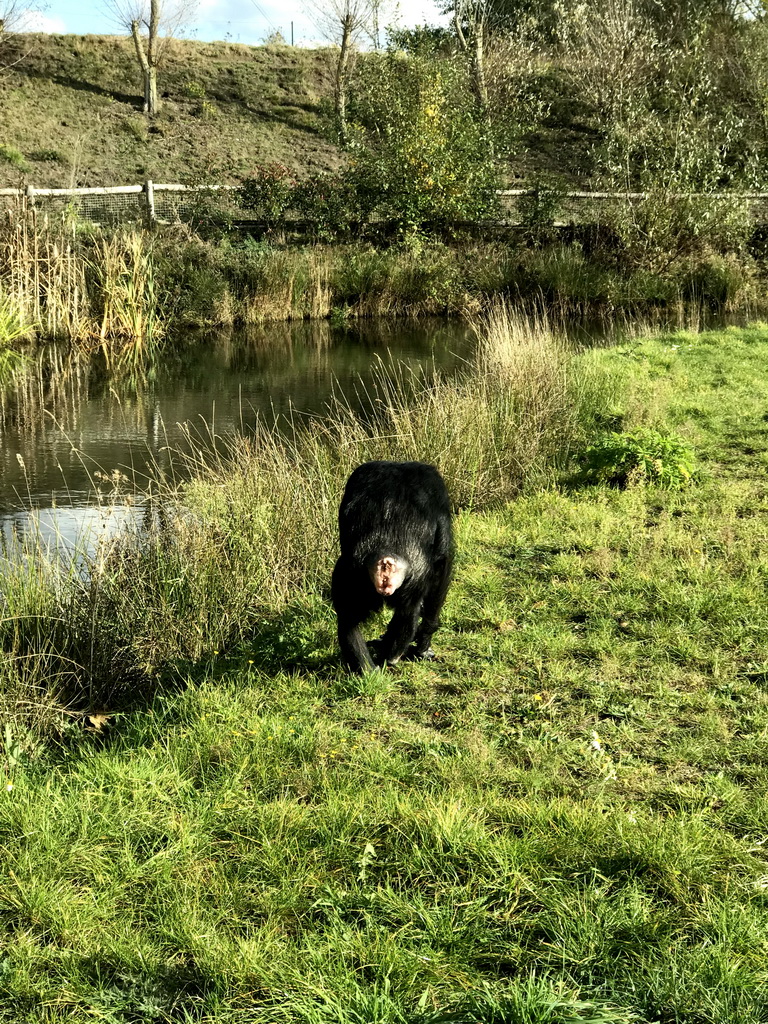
<point x="269" y="192"/>
<point x="14" y="157"/>
<point x="640" y="456"/>
<point x="421" y="155"/>
<point x="331" y="202"/>
<point x="665" y="230"/>
<point x="539" y="208"/>
<point x="191" y="289"/>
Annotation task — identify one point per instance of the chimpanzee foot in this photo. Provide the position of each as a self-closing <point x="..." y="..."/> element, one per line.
<point x="413" y="654"/>
<point x="375" y="649"/>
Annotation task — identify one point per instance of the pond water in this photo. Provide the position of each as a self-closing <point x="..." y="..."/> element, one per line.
<point x="65" y="434"/>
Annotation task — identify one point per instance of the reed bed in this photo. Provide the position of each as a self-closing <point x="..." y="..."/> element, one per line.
<point x="122" y="267"/>
<point x="43" y="276"/>
<point x="94" y="289"/>
<point x="120" y="291"/>
<point x="124" y="292"/>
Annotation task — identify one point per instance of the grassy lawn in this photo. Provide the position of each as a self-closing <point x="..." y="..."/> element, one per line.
<point x="565" y="819"/>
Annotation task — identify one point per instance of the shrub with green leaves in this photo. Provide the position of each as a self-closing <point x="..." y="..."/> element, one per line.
<point x="640" y="456"/>
<point x="268" y="192"/>
<point x="331" y="202"/>
<point x="419" y="149"/>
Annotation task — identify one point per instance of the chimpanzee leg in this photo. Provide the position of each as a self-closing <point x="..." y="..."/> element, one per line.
<point x="399" y="634"/>
<point x="351" y="612"/>
<point x="432" y="605"/>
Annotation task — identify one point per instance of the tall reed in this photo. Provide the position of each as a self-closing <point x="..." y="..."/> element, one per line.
<point x="96" y="289"/>
<point x="12" y="329"/>
<point x="283" y="285"/>
<point x="42" y="274"/>
<point x="125" y="295"/>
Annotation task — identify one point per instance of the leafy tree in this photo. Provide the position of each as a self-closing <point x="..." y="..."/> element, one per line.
<point x="419" y="151"/>
<point x="345" y="22"/>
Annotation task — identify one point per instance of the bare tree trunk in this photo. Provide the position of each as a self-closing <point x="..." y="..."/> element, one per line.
<point x="457" y="25"/>
<point x="342" y="74"/>
<point x="474" y="12"/>
<point x="148" y="60"/>
<point x="478" y="65"/>
<point x="154" y="28"/>
<point x="375" y="28"/>
<point x="150" y="96"/>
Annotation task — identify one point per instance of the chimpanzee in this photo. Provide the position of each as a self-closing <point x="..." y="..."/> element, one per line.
<point x="396" y="549"/>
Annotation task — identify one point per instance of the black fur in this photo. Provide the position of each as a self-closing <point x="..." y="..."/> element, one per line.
<point x="402" y="509"/>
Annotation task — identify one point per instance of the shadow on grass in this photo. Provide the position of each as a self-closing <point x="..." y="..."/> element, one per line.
<point x="177" y="992"/>
<point x="88" y="691"/>
<point x="295" y="640"/>
<point x="81" y="85"/>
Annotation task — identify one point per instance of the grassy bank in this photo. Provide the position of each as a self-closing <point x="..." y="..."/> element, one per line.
<point x="219" y="562"/>
<point x="561" y="820"/>
<point x="226" y="107"/>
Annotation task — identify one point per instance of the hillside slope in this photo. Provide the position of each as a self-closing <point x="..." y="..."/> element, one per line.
<point x="71" y="111"/>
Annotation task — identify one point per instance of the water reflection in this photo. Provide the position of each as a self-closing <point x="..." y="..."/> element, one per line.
<point x="64" y="532"/>
<point x="67" y="431"/>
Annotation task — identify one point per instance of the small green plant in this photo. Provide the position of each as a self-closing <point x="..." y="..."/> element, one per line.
<point x="13" y="156"/>
<point x="195" y="90"/>
<point x="338" y="316"/>
<point x="640" y="456"/>
<point x="136" y="128"/>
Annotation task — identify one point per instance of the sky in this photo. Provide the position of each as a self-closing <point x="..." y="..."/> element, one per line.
<point x="238" y="21"/>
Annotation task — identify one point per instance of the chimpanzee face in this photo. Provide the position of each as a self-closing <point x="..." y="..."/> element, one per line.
<point x="387" y="574"/>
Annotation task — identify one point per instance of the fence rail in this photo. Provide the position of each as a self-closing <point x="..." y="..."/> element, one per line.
<point x="147" y="202"/>
<point x="163" y="203"/>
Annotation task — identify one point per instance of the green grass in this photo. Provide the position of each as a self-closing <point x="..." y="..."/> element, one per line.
<point x="562" y="820"/>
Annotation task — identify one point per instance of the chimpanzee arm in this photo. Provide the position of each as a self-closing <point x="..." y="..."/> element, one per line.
<point x="354" y="650"/>
<point x="351" y="610"/>
<point x="400" y="632"/>
<point x="434" y="597"/>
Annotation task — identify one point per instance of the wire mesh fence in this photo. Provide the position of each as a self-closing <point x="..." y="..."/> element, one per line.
<point x="148" y="202"/>
<point x="172" y="203"/>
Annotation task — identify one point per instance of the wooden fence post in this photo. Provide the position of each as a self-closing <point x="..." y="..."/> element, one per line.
<point x="149" y="190"/>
